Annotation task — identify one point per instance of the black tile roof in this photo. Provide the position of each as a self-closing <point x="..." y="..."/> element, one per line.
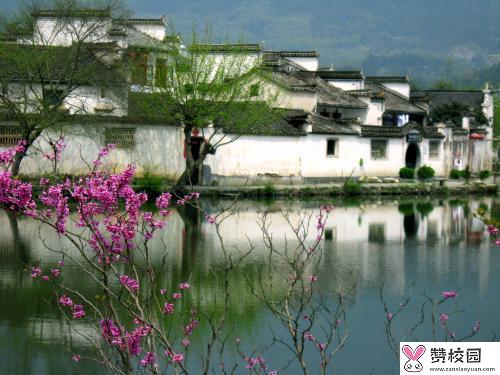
<point x="328" y="95"/>
<point x="389" y="79"/>
<point x="373" y="131"/>
<point x="72" y="13"/>
<point x="226" y="47"/>
<point x="146" y="21"/>
<point x="393" y="101"/>
<point x="331" y="96"/>
<point x="258" y="118"/>
<point x="437" y="98"/>
<point x="18" y="63"/>
<point x="340" y="75"/>
<point x="296" y="53"/>
<point x="325" y="125"/>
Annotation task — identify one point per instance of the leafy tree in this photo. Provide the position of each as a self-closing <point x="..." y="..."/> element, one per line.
<point x="214" y="93"/>
<point x="454" y="112"/>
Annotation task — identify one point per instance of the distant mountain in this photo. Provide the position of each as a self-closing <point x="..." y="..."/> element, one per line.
<point x="428" y="39"/>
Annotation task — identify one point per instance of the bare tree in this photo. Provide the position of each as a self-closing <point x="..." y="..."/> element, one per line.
<point x="52" y="62"/>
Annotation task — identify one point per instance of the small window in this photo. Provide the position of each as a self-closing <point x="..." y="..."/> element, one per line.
<point x="434" y="147"/>
<point x="328" y="234"/>
<point x="9" y="136"/>
<point x="331" y="147"/>
<point x="378" y="149"/>
<point x="104" y="93"/>
<point x="254" y="90"/>
<point x="120" y="137"/>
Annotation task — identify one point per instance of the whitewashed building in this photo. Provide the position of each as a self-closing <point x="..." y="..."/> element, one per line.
<point x="328" y="125"/>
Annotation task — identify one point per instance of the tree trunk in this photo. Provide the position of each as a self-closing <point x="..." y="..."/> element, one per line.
<point x="17" y="164"/>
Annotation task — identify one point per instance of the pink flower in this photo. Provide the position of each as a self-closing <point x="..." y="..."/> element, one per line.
<point x="65" y="301"/>
<point x="163" y="291"/>
<point x="313" y="278"/>
<point x="185" y="342"/>
<point x="149" y="359"/>
<point x="78" y="312"/>
<point x="274" y="372"/>
<point x="321" y="347"/>
<point x="184" y="286"/>
<point x="308" y="336"/>
<point x="443" y="318"/>
<point x="168" y="308"/>
<point x="36" y="271"/>
<point x="45" y="278"/>
<point x="449" y="294"/>
<point x="476" y="327"/>
<point x="389" y="316"/>
<point x="60" y="263"/>
<point x="210" y="219"/>
<point x="129" y="283"/>
<point x="176" y="358"/>
<point x="55" y="272"/>
<point x="76" y="357"/>
<point x="176" y="295"/>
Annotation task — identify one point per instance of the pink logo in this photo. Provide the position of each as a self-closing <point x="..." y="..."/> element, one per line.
<point x="413" y="365"/>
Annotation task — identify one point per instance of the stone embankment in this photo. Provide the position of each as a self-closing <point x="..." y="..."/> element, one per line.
<point x="438" y="187"/>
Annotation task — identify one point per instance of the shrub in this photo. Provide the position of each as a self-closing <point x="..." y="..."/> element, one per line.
<point x="269" y="190"/>
<point x="483" y="175"/>
<point x="406" y="172"/>
<point x="425" y="208"/>
<point x="455" y="174"/>
<point x="352" y="187"/>
<point x="149" y="182"/>
<point x="466" y="173"/>
<point x="425" y="172"/>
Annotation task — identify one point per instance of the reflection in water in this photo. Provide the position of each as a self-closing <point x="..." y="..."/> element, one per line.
<point x="437" y="244"/>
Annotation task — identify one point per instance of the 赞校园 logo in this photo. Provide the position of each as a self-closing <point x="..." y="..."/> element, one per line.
<point x="413" y="364"/>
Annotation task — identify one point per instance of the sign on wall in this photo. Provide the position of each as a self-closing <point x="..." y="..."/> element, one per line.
<point x="413" y="137"/>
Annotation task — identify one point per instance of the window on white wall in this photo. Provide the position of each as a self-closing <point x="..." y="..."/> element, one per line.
<point x="332" y="146"/>
<point x="120" y="137"/>
<point x="379" y="149"/>
<point x="434" y="147"/>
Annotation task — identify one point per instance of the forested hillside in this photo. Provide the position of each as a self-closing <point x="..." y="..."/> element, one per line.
<point x="427" y="39"/>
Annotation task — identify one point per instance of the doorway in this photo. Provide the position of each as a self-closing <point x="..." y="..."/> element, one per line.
<point x="412" y="159"/>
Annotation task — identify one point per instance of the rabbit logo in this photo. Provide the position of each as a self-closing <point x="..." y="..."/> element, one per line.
<point x="413" y="365"/>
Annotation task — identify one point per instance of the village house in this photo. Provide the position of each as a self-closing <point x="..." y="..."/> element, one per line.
<point x="331" y="124"/>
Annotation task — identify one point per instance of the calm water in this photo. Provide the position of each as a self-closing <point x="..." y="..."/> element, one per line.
<point x="412" y="247"/>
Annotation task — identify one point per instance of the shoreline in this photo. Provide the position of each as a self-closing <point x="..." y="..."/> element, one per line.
<point x="337" y="189"/>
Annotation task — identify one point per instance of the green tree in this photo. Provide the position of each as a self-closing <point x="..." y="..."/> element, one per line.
<point x="213" y="92"/>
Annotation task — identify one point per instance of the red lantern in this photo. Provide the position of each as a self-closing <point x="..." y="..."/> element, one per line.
<point x="477" y="136"/>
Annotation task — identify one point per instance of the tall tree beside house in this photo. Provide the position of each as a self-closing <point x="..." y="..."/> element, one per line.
<point x="213" y="92"/>
<point x="49" y="62"/>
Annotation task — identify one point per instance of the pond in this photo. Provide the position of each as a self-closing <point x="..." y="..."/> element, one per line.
<point x="410" y="247"/>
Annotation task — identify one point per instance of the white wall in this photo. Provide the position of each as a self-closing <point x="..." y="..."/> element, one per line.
<point x="62" y="31"/>
<point x="402" y="88"/>
<point x="308" y="63"/>
<point x="347" y="85"/>
<point x="374" y="112"/>
<point x="255" y="156"/>
<point x="158" y="149"/>
<point x="305" y="157"/>
<point x="155" y="31"/>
